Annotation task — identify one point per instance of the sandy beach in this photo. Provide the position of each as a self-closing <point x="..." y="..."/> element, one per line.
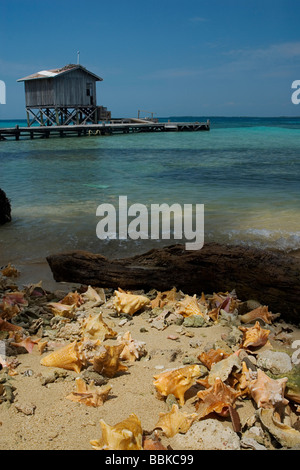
<point x="40" y="417"/>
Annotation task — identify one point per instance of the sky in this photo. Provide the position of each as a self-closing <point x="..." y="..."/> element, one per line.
<point x="171" y="57"/>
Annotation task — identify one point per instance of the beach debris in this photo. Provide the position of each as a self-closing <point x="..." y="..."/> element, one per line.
<point x="10" y="271"/>
<point x="207" y="434"/>
<point x="175" y="421"/>
<point x="107" y="361"/>
<point x="292" y="390"/>
<point x="94" y="327"/>
<point x="177" y="381"/>
<point x="66" y="357"/>
<point x="254" y="337"/>
<point x="89" y="394"/>
<point x="133" y="349"/>
<point x="125" y="435"/>
<point x="283" y="433"/>
<point x="27" y="409"/>
<point x="129" y="303"/>
<point x="218" y="398"/>
<point x="259" y="313"/>
<point x="276" y="362"/>
<point x="268" y="392"/>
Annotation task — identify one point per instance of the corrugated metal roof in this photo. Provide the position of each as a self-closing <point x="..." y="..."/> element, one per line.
<point x="59" y="71"/>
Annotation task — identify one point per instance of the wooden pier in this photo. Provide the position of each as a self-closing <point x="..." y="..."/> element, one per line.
<point x="115" y="126"/>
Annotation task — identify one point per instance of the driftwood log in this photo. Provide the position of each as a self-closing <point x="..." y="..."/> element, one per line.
<point x="272" y="278"/>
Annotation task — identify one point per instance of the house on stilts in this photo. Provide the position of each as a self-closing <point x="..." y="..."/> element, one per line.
<point x="63" y="96"/>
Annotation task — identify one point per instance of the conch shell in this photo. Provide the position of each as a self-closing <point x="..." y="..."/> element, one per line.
<point x="175" y="421"/>
<point x="129" y="303"/>
<point x="10" y="271"/>
<point x="212" y="356"/>
<point x="177" y="381"/>
<point x="218" y="398"/>
<point x="90" y="395"/>
<point x="267" y="392"/>
<point x="94" y="327"/>
<point x="168" y="298"/>
<point x="261" y="312"/>
<point x="91" y="295"/>
<point x="254" y="337"/>
<point x="126" y="435"/>
<point x="72" y="298"/>
<point x="62" y="310"/>
<point x="190" y="306"/>
<point x="284" y="434"/>
<point x="107" y="361"/>
<point x="133" y="349"/>
<point x="67" y="357"/>
<point x="224" y="368"/>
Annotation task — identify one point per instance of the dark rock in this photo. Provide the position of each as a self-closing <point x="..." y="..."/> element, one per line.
<point x="5" y="208"/>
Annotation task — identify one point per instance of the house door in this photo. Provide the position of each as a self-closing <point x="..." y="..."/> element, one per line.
<point x="89" y="92"/>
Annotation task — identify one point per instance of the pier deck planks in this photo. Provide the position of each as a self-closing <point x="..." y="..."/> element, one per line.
<point x="115" y="127"/>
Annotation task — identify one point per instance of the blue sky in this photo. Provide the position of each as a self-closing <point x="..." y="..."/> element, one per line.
<point x="175" y="58"/>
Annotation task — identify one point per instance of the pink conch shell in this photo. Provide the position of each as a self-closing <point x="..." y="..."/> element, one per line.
<point x="190" y="306"/>
<point x="254" y="337"/>
<point x="261" y="312"/>
<point x="66" y="357"/>
<point x="26" y="343"/>
<point x="129" y="303"/>
<point x="16" y="297"/>
<point x="267" y="392"/>
<point x="133" y="349"/>
<point x="90" y="395"/>
<point x="218" y="398"/>
<point x="177" y="381"/>
<point x="175" y="421"/>
<point x="126" y="435"/>
<point x="94" y="327"/>
<point x="107" y="361"/>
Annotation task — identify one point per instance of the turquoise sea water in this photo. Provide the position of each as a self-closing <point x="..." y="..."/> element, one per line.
<point x="246" y="172"/>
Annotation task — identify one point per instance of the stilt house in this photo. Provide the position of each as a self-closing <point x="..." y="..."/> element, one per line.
<point x="63" y="96"/>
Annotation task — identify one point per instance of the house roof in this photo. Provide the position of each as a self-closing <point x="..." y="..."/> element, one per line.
<point x="57" y="72"/>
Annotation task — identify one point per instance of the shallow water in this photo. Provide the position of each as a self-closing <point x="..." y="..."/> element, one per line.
<point x="246" y="172"/>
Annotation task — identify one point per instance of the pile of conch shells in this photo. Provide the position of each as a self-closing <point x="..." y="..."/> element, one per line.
<point x="70" y="332"/>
